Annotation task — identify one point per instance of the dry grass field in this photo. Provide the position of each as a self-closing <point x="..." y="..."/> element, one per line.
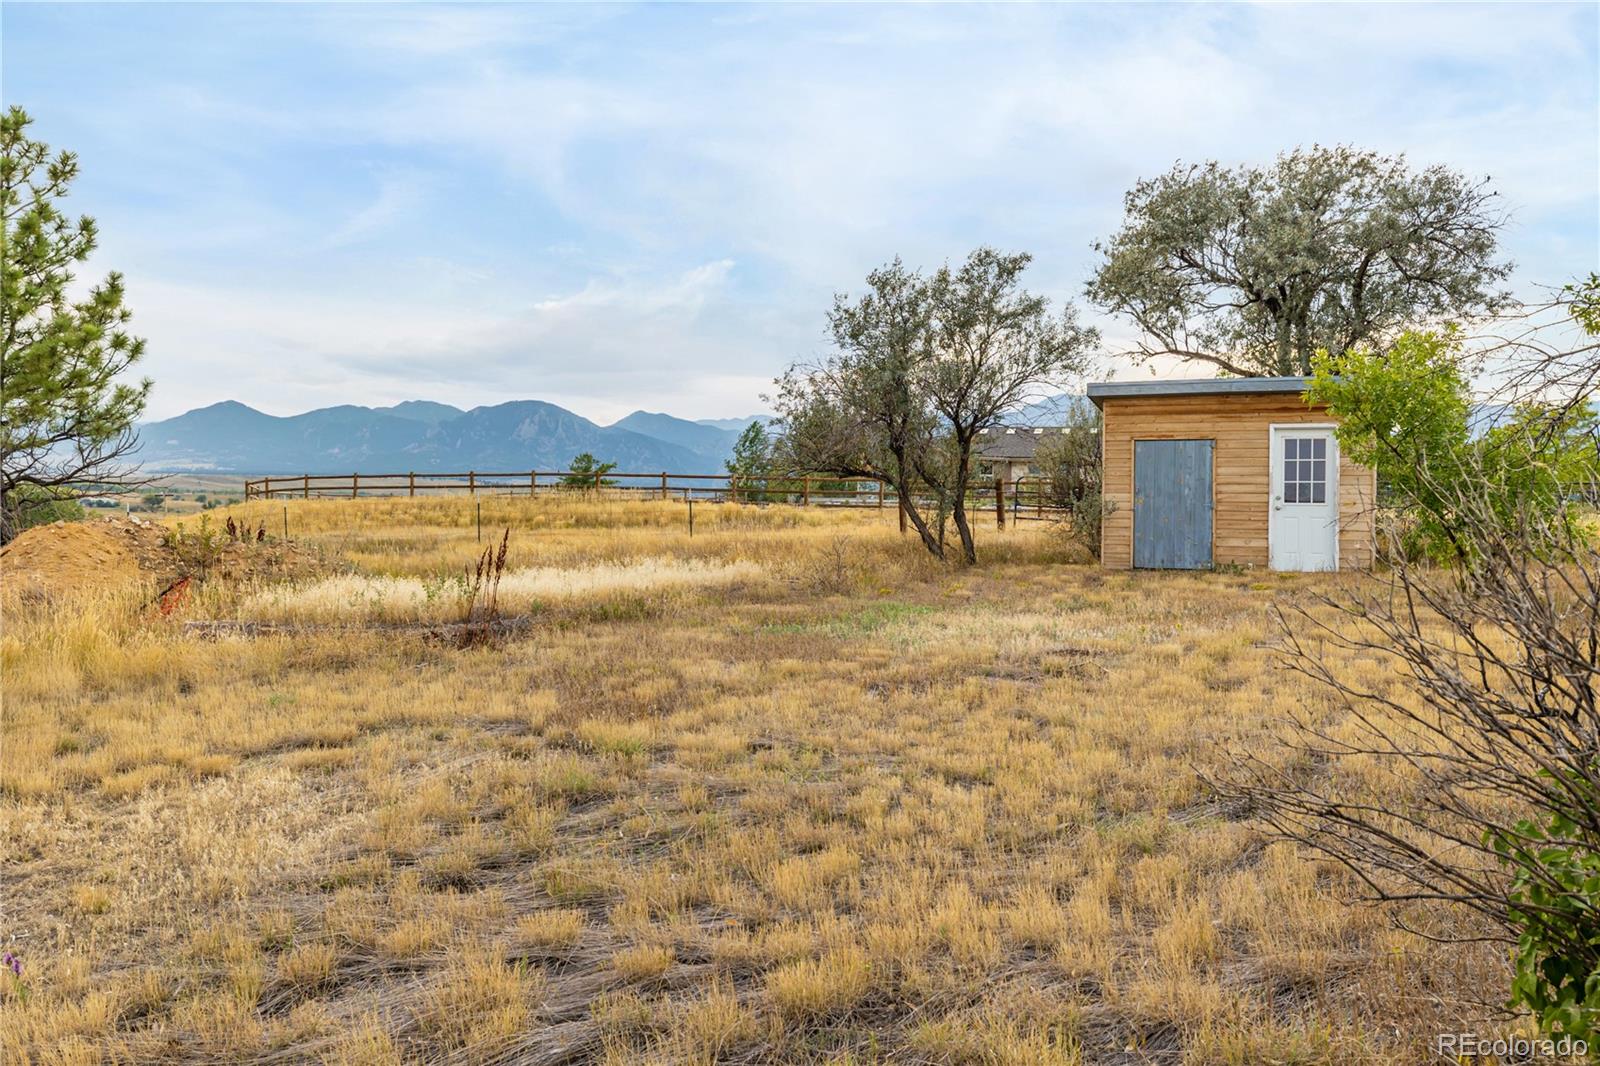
<point x="787" y="791"/>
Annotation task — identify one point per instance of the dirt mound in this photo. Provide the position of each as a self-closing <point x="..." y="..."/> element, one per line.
<point x="66" y="556"/>
<point x="117" y="552"/>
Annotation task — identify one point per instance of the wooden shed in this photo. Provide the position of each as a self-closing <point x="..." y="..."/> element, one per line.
<point x="1229" y="471"/>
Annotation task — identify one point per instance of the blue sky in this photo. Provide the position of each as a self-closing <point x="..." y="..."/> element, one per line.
<point x="614" y="207"/>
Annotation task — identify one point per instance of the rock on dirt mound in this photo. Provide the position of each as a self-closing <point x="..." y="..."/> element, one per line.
<point x="117" y="552"/>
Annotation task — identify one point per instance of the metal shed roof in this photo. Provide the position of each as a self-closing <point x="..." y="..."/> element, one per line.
<point x="1102" y="390"/>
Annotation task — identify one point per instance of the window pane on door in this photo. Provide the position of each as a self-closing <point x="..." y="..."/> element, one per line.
<point x="1305" y="470"/>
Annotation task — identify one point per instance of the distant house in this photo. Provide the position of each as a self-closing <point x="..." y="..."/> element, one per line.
<point x="1010" y="452"/>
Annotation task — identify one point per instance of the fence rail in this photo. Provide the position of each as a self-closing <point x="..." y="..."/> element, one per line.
<point x="1025" y="499"/>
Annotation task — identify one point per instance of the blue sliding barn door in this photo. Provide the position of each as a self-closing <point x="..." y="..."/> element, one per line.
<point x="1172" y="504"/>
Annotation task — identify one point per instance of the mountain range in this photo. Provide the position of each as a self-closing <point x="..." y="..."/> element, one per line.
<point x="425" y="436"/>
<point x="421" y="435"/>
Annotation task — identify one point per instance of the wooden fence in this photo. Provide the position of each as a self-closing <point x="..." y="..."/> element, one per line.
<point x="1024" y="500"/>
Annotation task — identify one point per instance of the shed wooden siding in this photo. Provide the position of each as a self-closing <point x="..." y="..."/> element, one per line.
<point x="1241" y="426"/>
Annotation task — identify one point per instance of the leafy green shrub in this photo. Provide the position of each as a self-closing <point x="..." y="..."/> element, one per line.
<point x="1555" y="884"/>
<point x="1405" y="412"/>
<point x="34" y="505"/>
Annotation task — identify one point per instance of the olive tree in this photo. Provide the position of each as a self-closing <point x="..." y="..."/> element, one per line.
<point x="66" y="410"/>
<point x="1254" y="269"/>
<point x="923" y="365"/>
<point x="861" y="411"/>
<point x="993" y="346"/>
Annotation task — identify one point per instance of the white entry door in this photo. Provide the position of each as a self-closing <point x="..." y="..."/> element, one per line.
<point x="1303" y="525"/>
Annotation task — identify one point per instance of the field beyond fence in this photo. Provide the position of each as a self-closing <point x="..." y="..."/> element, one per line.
<point x="1023" y="499"/>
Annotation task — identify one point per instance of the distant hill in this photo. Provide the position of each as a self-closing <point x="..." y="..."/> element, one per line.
<point x="698" y="437"/>
<point x="423" y="411"/>
<point x="736" y="425"/>
<point x="231" y="437"/>
<point x="420" y="435"/>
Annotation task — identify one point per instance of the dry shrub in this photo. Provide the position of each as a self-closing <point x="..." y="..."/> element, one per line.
<point x="479" y="1000"/>
<point x="815" y="989"/>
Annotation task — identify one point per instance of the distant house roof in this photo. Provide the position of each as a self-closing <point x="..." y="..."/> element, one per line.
<point x="1012" y="442"/>
<point x="1195" y="387"/>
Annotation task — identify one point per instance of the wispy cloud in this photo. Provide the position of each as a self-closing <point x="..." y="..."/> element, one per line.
<point x="397" y="196"/>
<point x="603" y="348"/>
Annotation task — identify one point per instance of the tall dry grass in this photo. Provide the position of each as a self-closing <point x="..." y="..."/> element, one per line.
<point x="852" y="806"/>
<point x="387" y="599"/>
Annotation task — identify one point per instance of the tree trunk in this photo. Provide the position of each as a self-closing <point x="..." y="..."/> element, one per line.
<point x="969" y="547"/>
<point x="934" y="544"/>
<point x="1303" y="350"/>
<point x="908" y="510"/>
<point x="8" y="520"/>
<point x="1285" y="346"/>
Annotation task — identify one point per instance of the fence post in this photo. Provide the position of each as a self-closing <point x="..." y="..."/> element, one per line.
<point x="533" y="483"/>
<point x="733" y="487"/>
<point x="663" y="484"/>
<point x="411" y="483"/>
<point x="472" y="482"/>
<point x="597" y="482"/>
<point x="1000" y="502"/>
<point x="305" y="486"/>
<point x="355" y="485"/>
<point x="805" y="490"/>
<point x="880" y="494"/>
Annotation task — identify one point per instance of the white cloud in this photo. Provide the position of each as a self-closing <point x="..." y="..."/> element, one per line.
<point x="651" y="207"/>
<point x="603" y="348"/>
